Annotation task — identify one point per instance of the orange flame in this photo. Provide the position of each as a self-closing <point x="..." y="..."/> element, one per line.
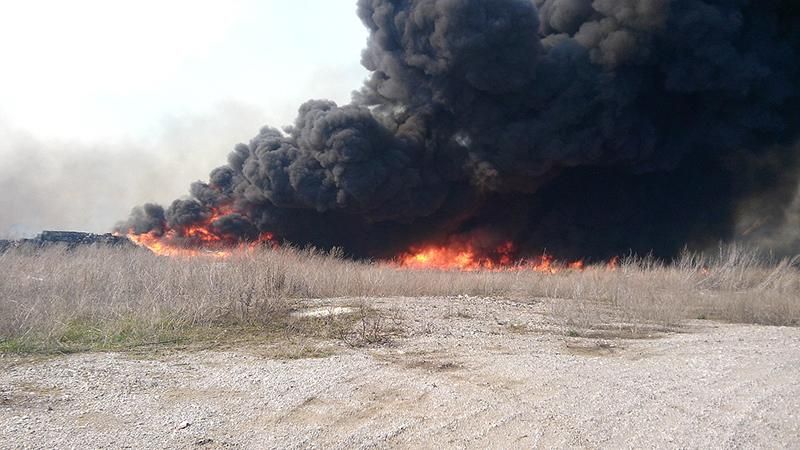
<point x="465" y="257"/>
<point x="198" y="240"/>
<point x="577" y="265"/>
<point x="442" y="258"/>
<point x="201" y="239"/>
<point x="164" y="245"/>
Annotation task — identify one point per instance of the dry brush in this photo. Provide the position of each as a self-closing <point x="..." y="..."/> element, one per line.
<point x="55" y="298"/>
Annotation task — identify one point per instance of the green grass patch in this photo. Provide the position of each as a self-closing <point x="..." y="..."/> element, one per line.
<point x="81" y="335"/>
<point x="293" y="338"/>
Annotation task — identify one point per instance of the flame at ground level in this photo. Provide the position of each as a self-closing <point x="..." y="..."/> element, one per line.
<point x="202" y="241"/>
<point x="199" y="239"/>
<point x="169" y="245"/>
<point x="465" y="257"/>
<point x="205" y="239"/>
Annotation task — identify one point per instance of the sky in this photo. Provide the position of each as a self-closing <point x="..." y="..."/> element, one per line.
<point x="108" y="104"/>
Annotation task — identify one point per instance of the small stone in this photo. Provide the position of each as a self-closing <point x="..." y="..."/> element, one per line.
<point x="184" y="425"/>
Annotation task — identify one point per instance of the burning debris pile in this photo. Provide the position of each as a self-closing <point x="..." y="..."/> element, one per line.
<point x="70" y="239"/>
<point x="585" y="128"/>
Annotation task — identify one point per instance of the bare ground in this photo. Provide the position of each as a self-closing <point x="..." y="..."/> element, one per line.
<point x="464" y="372"/>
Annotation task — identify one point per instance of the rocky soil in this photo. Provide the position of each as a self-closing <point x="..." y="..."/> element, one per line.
<point x="461" y="373"/>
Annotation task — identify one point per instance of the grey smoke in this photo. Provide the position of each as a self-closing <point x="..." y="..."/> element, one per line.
<point x="73" y="185"/>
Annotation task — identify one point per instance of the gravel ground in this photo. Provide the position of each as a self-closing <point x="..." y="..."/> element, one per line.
<point x="467" y="372"/>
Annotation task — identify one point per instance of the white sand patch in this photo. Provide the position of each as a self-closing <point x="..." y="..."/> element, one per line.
<point x="323" y="311"/>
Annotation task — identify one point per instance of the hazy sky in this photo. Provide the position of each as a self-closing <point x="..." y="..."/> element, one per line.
<point x="96" y="92"/>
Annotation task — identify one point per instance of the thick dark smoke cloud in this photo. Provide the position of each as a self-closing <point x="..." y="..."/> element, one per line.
<point x="583" y="127"/>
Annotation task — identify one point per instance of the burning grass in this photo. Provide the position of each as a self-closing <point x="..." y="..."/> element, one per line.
<point x="105" y="298"/>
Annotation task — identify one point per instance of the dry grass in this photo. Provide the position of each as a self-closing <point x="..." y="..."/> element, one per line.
<point x="736" y="285"/>
<point x="104" y="297"/>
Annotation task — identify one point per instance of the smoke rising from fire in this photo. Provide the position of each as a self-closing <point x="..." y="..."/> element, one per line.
<point x="584" y="128"/>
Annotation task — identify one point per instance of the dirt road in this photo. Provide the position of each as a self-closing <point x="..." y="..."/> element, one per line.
<point x="466" y="373"/>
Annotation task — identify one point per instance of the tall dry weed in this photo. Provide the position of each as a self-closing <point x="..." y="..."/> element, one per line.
<point x="111" y="291"/>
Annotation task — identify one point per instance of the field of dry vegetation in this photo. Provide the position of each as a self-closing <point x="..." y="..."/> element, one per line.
<point x="106" y="298"/>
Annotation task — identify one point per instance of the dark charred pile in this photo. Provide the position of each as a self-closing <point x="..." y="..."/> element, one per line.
<point x="587" y="128"/>
<point x="70" y="239"/>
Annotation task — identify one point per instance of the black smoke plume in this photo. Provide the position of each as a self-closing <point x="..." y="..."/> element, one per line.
<point x="587" y="128"/>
